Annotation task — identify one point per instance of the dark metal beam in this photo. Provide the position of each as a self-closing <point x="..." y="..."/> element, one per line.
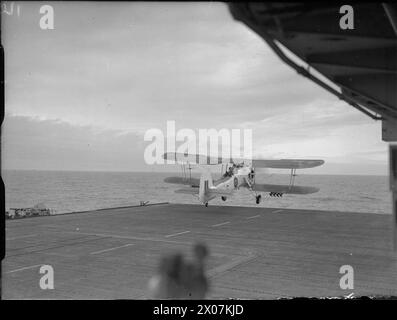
<point x="392" y="15"/>
<point x="351" y="69"/>
<point x="244" y="14"/>
<point x="393" y="188"/>
<point x="383" y="89"/>
<point x="383" y="59"/>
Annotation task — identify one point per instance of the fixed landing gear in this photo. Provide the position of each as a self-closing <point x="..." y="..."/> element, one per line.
<point x="206" y="204"/>
<point x="258" y="198"/>
<point x="223" y="198"/>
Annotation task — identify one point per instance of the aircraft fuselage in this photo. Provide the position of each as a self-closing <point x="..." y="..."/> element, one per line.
<point x="233" y="179"/>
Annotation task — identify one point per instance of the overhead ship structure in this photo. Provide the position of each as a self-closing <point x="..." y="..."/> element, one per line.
<point x="357" y="65"/>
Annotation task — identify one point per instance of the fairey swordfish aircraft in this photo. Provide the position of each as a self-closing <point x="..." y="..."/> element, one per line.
<point x="239" y="173"/>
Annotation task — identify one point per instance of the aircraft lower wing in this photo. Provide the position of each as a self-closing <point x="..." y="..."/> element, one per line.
<point x="185" y="181"/>
<point x="277" y="188"/>
<point x="210" y="192"/>
<point x="220" y="192"/>
<point x="193" y="191"/>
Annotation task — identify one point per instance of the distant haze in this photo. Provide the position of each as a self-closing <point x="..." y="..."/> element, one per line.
<point x="81" y="96"/>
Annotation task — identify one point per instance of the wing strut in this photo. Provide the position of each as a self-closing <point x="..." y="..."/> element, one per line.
<point x="183" y="171"/>
<point x="190" y="173"/>
<point x="292" y="178"/>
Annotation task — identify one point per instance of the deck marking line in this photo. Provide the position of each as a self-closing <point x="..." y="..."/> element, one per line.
<point x="25" y="268"/>
<point x="21" y="237"/>
<point x="220" y="224"/>
<point x="128" y="237"/>
<point x="176" y="234"/>
<point x="254" y="217"/>
<point x="277" y="211"/>
<point x="110" y="249"/>
<point x="229" y="265"/>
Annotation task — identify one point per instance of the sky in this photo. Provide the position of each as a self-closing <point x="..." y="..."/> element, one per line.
<point x="82" y="96"/>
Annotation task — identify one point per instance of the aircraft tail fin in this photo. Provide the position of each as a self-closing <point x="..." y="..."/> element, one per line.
<point x="206" y="183"/>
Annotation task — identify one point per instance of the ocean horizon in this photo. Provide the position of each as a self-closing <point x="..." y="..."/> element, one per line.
<point x="74" y="191"/>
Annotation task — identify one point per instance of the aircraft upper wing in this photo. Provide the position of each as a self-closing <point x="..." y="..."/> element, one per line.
<point x="184" y="181"/>
<point x="287" y="163"/>
<point x="256" y="163"/>
<point x="284" y="188"/>
<point x="195" y="158"/>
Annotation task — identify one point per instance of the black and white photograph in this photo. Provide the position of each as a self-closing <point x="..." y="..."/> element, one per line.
<point x="225" y="151"/>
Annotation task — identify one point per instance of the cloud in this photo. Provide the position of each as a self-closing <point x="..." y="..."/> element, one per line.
<point x="135" y="65"/>
<point x="124" y="68"/>
<point x="31" y="143"/>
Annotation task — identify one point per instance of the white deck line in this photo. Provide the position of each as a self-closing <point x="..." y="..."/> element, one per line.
<point x="21" y="237"/>
<point x="24" y="268"/>
<point x="220" y="224"/>
<point x="176" y="234"/>
<point x="254" y="217"/>
<point x="277" y="211"/>
<point x="111" y="249"/>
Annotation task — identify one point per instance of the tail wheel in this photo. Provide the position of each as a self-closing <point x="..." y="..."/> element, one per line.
<point x="206" y="204"/>
<point x="258" y="199"/>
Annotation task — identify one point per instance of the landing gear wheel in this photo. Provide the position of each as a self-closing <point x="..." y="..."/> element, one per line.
<point x="223" y="198"/>
<point x="206" y="204"/>
<point x="258" y="198"/>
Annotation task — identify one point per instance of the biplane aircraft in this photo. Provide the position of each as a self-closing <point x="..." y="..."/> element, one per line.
<point x="238" y="173"/>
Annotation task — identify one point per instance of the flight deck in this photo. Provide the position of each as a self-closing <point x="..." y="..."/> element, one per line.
<point x="255" y="253"/>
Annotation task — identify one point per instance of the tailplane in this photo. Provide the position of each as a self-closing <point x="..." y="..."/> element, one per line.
<point x="207" y="190"/>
